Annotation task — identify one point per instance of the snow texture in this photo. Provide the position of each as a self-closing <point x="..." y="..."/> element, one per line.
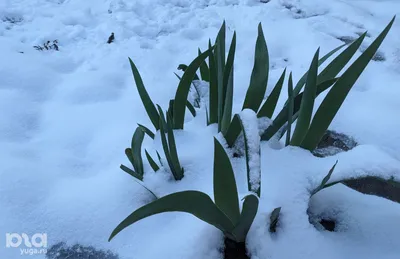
<point x="251" y="131"/>
<point x="67" y="116"/>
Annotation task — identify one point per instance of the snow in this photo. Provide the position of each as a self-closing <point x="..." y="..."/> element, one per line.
<point x="250" y="124"/>
<point x="68" y="115"/>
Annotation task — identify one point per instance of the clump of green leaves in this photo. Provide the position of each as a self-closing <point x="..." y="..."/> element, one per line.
<point x="224" y="213"/>
<point x="134" y="155"/>
<point x="310" y="132"/>
<point x="165" y="126"/>
<point x="299" y="106"/>
<point x="169" y="145"/>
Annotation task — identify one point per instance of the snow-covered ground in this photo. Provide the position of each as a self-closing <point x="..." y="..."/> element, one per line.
<point x="67" y="116"/>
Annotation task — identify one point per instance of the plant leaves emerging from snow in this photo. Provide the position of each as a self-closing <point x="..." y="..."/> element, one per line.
<point x="228" y="87"/>
<point x="325" y="180"/>
<point x="307" y="103"/>
<point x="282" y="117"/>
<point x="213" y="87"/>
<point x="136" y="149"/>
<point x="183" y="90"/>
<point x="233" y="131"/>
<point x="224" y="214"/>
<point x="173" y="150"/>
<point x="268" y="108"/>
<point x="152" y="163"/>
<point x="131" y="172"/>
<point x="204" y="71"/>
<point x="147" y="131"/>
<point x="273" y="219"/>
<point x="303" y="79"/>
<point x="249" y="211"/>
<point x="259" y="76"/>
<point x="289" y="110"/>
<point x="196" y="203"/>
<point x="183" y="68"/>
<point x="147" y="102"/>
<point x="225" y="191"/>
<point x="219" y="55"/>
<point x="190" y="107"/>
<point x="338" y="93"/>
<point x="173" y="163"/>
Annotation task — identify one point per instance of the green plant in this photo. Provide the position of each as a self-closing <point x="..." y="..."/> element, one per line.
<point x="223" y="213"/>
<point x="169" y="146"/>
<point x="310" y="132"/>
<point x="134" y="154"/>
<point x="157" y="118"/>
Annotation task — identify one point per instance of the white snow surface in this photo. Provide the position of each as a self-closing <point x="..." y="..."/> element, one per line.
<point x="251" y="130"/>
<point x="68" y="115"/>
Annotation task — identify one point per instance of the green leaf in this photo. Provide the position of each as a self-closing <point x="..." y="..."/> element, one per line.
<point x="150" y="191"/>
<point x="177" y="76"/>
<point x="221" y="44"/>
<point x="325" y="180"/>
<point x="173" y="151"/>
<point x="333" y="68"/>
<point x="194" y="202"/>
<point x="249" y="211"/>
<point x="307" y="103"/>
<point x="191" y="108"/>
<point x="183" y="90"/>
<point x="338" y="93"/>
<point x="170" y="147"/>
<point x="147" y="102"/>
<point x="213" y="98"/>
<point x="165" y="143"/>
<point x="136" y="148"/>
<point x="128" y="153"/>
<point x="289" y="110"/>
<point x="259" y="75"/>
<point x="170" y="110"/>
<point x="146" y="130"/>
<point x="338" y="60"/>
<point x="274" y="217"/>
<point x="131" y="172"/>
<point x="204" y="72"/>
<point x="233" y="131"/>
<point x="248" y="168"/>
<point x="268" y="108"/>
<point x="159" y="158"/>
<point x="152" y="163"/>
<point x="228" y="87"/>
<point x="225" y="191"/>
<point x="282" y="117"/>
<point x="220" y="66"/>
<point x="184" y="67"/>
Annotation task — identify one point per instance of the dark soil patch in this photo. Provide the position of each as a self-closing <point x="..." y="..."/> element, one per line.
<point x="234" y="250"/>
<point x="332" y="143"/>
<point x="375" y="186"/>
<point x="77" y="251"/>
<point x="328" y="224"/>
